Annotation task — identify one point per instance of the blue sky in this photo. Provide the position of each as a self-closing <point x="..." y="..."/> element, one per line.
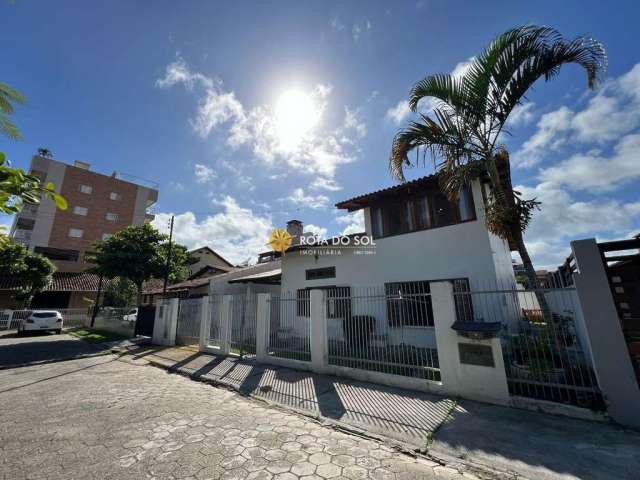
<point x="192" y="97"/>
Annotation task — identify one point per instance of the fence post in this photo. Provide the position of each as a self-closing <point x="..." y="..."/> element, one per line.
<point x="609" y="352"/>
<point x="262" y="325"/>
<point x="472" y="381"/>
<point x="225" y="324"/>
<point x="204" y="323"/>
<point x="318" y="331"/>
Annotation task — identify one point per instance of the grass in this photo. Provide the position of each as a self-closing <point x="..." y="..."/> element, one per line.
<point x="92" y="335"/>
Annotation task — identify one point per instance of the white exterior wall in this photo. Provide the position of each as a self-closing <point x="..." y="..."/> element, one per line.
<point x="47" y="209"/>
<point x="465" y="250"/>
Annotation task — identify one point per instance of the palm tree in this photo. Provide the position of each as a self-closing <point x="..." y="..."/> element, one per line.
<point x="471" y="112"/>
<point x="8" y="97"/>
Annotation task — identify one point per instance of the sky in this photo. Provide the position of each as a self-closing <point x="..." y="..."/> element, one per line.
<point x="250" y="114"/>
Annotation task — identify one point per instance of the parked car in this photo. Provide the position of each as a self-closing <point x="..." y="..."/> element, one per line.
<point x="42" y="320"/>
<point x="131" y="315"/>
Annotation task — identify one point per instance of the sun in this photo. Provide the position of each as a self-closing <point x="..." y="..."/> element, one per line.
<point x="296" y="114"/>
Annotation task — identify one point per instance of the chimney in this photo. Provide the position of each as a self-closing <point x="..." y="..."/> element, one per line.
<point x="294" y="228"/>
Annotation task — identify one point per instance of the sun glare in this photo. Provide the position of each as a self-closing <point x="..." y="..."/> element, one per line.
<point x="296" y="115"/>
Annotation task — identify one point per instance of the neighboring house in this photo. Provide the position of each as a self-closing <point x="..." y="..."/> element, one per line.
<point x="206" y="257"/>
<point x="196" y="285"/>
<point x="99" y="206"/>
<point x="419" y="237"/>
<point x="67" y="290"/>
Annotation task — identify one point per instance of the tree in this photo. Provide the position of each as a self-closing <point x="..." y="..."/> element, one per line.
<point x="138" y="253"/>
<point x="45" y="152"/>
<point x="9" y="97"/>
<point x="31" y="271"/>
<point x="18" y="188"/>
<point x="461" y="134"/>
<point x="120" y="293"/>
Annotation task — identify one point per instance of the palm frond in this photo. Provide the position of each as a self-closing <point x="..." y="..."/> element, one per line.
<point x="9" y="96"/>
<point x="8" y="128"/>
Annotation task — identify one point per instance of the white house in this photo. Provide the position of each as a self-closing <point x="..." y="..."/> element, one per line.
<point x="420" y="237"/>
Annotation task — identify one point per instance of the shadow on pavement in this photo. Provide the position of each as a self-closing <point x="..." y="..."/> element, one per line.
<point x="538" y="445"/>
<point x="25" y="350"/>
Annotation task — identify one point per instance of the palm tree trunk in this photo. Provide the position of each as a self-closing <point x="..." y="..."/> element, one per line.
<point x="530" y="272"/>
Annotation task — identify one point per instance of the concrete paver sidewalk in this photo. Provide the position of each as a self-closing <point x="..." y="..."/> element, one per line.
<point x="529" y="444"/>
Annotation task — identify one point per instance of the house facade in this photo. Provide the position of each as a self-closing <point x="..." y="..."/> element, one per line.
<point x="420" y="237"/>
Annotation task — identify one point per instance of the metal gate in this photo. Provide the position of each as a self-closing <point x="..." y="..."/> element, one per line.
<point x="243" y="325"/>
<point x="188" y="327"/>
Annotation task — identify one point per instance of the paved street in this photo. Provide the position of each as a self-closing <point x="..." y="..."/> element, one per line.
<point x="102" y="418"/>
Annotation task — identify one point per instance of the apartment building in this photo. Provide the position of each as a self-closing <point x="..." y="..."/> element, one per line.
<point x="99" y="206"/>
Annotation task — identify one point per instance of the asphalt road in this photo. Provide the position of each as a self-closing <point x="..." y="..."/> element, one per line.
<point x="97" y="417"/>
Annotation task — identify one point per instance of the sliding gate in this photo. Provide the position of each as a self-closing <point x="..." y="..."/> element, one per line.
<point x="188" y="327"/>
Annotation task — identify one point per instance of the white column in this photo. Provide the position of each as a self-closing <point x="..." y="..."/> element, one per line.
<point x="318" y="331"/>
<point x="165" y="322"/>
<point x="225" y="324"/>
<point x="204" y="323"/>
<point x="475" y="382"/>
<point x="263" y="314"/>
<point x="607" y="344"/>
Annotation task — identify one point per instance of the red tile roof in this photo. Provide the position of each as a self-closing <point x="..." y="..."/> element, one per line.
<point x="63" y="282"/>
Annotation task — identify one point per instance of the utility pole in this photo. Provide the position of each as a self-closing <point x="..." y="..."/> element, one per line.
<point x="166" y="270"/>
<point x="95" y="306"/>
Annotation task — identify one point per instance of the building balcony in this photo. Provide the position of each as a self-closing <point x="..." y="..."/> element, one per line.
<point x="22" y="236"/>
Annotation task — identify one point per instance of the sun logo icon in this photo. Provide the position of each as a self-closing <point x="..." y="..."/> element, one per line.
<point x="280" y="240"/>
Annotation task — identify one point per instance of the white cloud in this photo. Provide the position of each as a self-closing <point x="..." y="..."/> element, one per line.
<point x="563" y="218"/>
<point x="319" y="151"/>
<point x="320" y="232"/>
<point x="203" y="173"/>
<point x="235" y="232"/>
<point x="354" y="221"/>
<point x="400" y="112"/>
<point x="521" y="114"/>
<point x="178" y="72"/>
<point x="614" y="111"/>
<point x="336" y="23"/>
<point x="353" y="122"/>
<point x="321" y="183"/>
<point x="594" y="171"/>
<point x="303" y="200"/>
<point x="462" y="68"/>
<point x="359" y="27"/>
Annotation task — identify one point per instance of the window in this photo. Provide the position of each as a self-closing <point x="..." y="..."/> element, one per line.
<point x="464" y="304"/>
<point x="319" y="273"/>
<point x="430" y="210"/>
<point x="112" y="217"/>
<point x="303" y="302"/>
<point x="86" y="189"/>
<point x="25" y="223"/>
<point x="80" y="210"/>
<point x="115" y="196"/>
<point x="58" y="253"/>
<point x="75" y="232"/>
<point x="409" y="304"/>
<point x="106" y="236"/>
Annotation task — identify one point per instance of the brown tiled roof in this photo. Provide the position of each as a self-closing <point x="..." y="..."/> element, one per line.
<point x="63" y="282"/>
<point x="361" y="201"/>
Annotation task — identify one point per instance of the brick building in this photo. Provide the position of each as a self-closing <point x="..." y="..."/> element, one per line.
<point x="99" y="206"/>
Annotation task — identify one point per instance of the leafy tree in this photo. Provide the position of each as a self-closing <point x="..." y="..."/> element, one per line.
<point x="138" y="253"/>
<point x="9" y="97"/>
<point x="45" y="152"/>
<point x="18" y="188"/>
<point x="31" y="271"/>
<point x="461" y="135"/>
<point x="120" y="293"/>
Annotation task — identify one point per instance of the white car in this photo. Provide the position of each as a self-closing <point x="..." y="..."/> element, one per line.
<point x="42" y="320"/>
<point x="131" y="315"/>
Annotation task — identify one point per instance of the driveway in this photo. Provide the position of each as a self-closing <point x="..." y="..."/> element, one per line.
<point x="97" y="417"/>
